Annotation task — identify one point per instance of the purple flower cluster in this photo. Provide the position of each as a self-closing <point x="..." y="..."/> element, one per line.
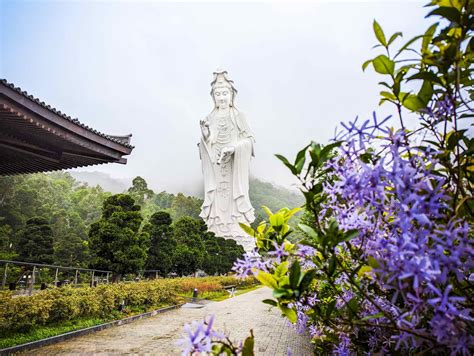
<point x="401" y="210"/>
<point x="198" y="337"/>
<point x="305" y="254"/>
<point x="279" y="252"/>
<point x="250" y="264"/>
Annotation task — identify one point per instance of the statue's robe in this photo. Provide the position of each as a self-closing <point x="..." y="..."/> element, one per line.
<point x="222" y="220"/>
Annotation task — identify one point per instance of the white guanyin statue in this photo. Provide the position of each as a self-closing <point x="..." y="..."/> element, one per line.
<point x="226" y="148"/>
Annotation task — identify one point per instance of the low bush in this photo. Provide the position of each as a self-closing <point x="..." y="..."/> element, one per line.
<point x="21" y="313"/>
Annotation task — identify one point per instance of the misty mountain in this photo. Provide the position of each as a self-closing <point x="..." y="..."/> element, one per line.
<point x="108" y="183"/>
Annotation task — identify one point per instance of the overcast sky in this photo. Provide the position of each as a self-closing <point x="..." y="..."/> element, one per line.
<point x="145" y="68"/>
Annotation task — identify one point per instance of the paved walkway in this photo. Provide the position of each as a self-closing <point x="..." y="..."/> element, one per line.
<point x="157" y="335"/>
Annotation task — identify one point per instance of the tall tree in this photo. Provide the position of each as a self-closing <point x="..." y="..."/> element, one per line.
<point x="186" y="206"/>
<point x="213" y="257"/>
<point x="162" y="243"/>
<point x="35" y="241"/>
<point x="190" y="250"/>
<point x="116" y="242"/>
<point x="140" y="191"/>
<point x="230" y="251"/>
<point x="164" y="200"/>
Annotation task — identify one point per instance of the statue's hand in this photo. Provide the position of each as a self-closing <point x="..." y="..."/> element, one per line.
<point x="225" y="154"/>
<point x="205" y="128"/>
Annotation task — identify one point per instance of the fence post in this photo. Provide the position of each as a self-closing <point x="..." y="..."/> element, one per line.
<point x="32" y="283"/>
<point x="92" y="281"/>
<point x="4" y="281"/>
<point x="107" y="278"/>
<point x="56" y="278"/>
<point x="75" y="278"/>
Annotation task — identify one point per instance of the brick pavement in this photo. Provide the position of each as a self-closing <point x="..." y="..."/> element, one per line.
<point x="157" y="335"/>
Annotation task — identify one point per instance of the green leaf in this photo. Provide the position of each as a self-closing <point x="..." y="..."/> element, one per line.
<point x="276" y="219"/>
<point x="306" y="280"/>
<point x="267" y="279"/>
<point x="330" y="308"/>
<point x="379" y="34"/>
<point x="353" y="307"/>
<point x="373" y="262"/>
<point x="295" y="273"/>
<point x="332" y="265"/>
<point x="453" y="137"/>
<point x="289" y="313"/>
<point x="426" y="92"/>
<point x="300" y="159"/>
<point x="365" y="64"/>
<point x="281" y="292"/>
<point x="308" y="230"/>
<point x="292" y="212"/>
<point x="449" y="13"/>
<point x="249" y="344"/>
<point x="428" y="36"/>
<point x="267" y="210"/>
<point x="247" y="229"/>
<point x="328" y="149"/>
<point x="412" y="102"/>
<point x="426" y="76"/>
<point x="383" y="65"/>
<point x="287" y="163"/>
<point x="388" y="95"/>
<point x="393" y="37"/>
<point x="281" y="270"/>
<point x="406" y="45"/>
<point x="271" y="302"/>
<point x="349" y="235"/>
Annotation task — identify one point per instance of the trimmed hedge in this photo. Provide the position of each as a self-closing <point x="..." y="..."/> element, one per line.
<point x="20" y="313"/>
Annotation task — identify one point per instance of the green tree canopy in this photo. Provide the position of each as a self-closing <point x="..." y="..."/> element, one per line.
<point x="162" y="243"/>
<point x="190" y="250"/>
<point x="116" y="242"/>
<point x="35" y="241"/>
<point x="140" y="191"/>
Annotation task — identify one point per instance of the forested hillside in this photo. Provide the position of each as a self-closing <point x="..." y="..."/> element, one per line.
<point x="32" y="205"/>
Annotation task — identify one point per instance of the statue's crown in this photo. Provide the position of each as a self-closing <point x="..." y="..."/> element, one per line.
<point x="222" y="81"/>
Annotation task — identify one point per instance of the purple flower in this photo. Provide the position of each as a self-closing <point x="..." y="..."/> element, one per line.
<point x="343" y="348"/>
<point x="198" y="337"/>
<point x="251" y="263"/>
<point x="279" y="252"/>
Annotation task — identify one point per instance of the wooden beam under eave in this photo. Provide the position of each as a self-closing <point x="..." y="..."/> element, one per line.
<point x="51" y="129"/>
<point x="56" y="119"/>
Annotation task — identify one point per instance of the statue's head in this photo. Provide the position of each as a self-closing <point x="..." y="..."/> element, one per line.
<point x="223" y="91"/>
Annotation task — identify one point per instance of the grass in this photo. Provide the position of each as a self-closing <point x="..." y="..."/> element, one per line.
<point x="43" y="332"/>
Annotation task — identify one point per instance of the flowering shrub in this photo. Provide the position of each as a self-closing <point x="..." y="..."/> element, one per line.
<point x="386" y="265"/>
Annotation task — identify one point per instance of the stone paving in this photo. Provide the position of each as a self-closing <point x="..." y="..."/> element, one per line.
<point x="157" y="335"/>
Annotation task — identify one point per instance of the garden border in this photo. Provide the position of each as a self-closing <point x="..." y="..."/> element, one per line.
<point x="62" y="337"/>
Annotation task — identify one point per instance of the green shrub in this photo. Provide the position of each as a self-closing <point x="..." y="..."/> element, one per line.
<point x="56" y="305"/>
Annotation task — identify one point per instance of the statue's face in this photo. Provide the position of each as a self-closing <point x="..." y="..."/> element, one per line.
<point x="222" y="97"/>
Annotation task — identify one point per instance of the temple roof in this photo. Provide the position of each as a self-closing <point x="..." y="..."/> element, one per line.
<point x="35" y="137"/>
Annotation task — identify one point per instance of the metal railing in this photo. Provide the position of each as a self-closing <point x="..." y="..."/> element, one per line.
<point x="39" y="266"/>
